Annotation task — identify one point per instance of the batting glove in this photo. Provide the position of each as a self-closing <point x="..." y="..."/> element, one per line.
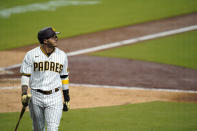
<point x="66" y="106"/>
<point x="25" y="99"/>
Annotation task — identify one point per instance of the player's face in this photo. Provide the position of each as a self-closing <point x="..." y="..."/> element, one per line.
<point x="52" y="42"/>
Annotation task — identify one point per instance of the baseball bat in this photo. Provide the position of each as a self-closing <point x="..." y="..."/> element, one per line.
<point x="21" y="115"/>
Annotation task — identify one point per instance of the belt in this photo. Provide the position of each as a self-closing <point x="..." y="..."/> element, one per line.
<point x="47" y="92"/>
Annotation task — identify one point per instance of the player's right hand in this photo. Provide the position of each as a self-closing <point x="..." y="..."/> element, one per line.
<point x="25" y="99"/>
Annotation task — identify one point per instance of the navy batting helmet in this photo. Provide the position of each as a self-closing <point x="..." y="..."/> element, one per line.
<point x="46" y="33"/>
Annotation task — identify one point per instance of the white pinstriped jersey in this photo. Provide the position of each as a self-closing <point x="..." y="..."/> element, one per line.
<point x="45" y="70"/>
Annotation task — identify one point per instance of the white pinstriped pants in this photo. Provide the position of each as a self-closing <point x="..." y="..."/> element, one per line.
<point x="46" y="108"/>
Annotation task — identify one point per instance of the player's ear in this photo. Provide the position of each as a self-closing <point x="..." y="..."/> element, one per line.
<point x="45" y="41"/>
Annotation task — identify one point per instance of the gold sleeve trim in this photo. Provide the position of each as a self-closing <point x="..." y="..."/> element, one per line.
<point x="65" y="81"/>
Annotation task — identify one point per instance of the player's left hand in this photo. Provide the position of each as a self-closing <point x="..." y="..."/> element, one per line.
<point x="66" y="106"/>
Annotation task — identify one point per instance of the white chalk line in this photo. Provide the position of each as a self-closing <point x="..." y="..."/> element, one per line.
<point x="118" y="87"/>
<point x="121" y="43"/>
<point x="133" y="40"/>
<point x="44" y="6"/>
<point x="10" y="67"/>
<point x="131" y="88"/>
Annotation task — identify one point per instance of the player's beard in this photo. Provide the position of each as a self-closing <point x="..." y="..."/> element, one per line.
<point x="52" y="46"/>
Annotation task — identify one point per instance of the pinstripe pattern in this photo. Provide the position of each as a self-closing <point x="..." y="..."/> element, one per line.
<point x="45" y="75"/>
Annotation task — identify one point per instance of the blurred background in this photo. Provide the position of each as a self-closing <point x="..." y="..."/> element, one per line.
<point x="146" y="82"/>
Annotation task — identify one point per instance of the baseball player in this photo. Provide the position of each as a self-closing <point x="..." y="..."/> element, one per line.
<point x="44" y="71"/>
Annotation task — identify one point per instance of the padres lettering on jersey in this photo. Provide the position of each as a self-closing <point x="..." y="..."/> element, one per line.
<point x="47" y="65"/>
<point x="41" y="66"/>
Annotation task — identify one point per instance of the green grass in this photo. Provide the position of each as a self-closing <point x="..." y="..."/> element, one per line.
<point x="177" y="50"/>
<point x="153" y="116"/>
<point x="21" y="29"/>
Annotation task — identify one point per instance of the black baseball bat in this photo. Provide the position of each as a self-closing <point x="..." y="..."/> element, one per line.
<point x="21" y="115"/>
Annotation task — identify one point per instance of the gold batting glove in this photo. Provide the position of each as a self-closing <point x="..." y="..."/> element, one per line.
<point x="25" y="99"/>
<point x="66" y="106"/>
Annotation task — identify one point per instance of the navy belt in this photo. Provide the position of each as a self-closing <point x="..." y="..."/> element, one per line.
<point x="47" y="92"/>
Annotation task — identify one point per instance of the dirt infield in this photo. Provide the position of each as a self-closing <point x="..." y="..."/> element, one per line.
<point x="86" y="69"/>
<point x="131" y="73"/>
<point x="86" y="97"/>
